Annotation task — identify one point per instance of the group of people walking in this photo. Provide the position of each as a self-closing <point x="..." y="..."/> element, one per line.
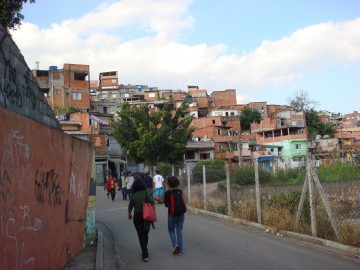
<point x="149" y="189"/>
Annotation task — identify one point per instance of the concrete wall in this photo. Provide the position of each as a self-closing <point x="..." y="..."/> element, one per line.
<point x="44" y="174"/>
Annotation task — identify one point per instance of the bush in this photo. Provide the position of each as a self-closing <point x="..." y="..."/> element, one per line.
<point x="289" y="176"/>
<point x="215" y="171"/>
<point x="165" y="169"/>
<point x="246" y="176"/>
<point x="339" y="171"/>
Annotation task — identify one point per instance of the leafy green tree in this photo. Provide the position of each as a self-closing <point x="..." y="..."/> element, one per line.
<point x="312" y="122"/>
<point x="249" y="116"/>
<point x="301" y="101"/>
<point x="10" y="16"/>
<point x="316" y="127"/>
<point x="153" y="137"/>
<point x="327" y="129"/>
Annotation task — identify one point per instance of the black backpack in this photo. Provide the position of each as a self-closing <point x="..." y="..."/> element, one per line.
<point x="177" y="205"/>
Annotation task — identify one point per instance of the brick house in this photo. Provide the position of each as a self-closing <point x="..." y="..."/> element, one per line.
<point x="66" y="87"/>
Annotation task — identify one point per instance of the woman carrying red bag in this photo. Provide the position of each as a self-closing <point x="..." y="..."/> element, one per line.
<point x="140" y="195"/>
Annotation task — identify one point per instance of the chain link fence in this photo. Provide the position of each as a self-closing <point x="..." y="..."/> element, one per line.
<point x="316" y="199"/>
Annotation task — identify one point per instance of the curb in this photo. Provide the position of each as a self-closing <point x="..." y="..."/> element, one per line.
<point x="100" y="251"/>
<point x="315" y="240"/>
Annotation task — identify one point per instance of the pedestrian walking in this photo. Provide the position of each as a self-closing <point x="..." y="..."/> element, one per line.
<point x="111" y="186"/>
<point x="129" y="180"/>
<point x="148" y="182"/>
<point x="122" y="184"/>
<point x="142" y="227"/>
<point x="175" y="202"/>
<point x="158" y="181"/>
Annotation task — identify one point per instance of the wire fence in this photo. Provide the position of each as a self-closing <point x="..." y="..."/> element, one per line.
<point x="318" y="200"/>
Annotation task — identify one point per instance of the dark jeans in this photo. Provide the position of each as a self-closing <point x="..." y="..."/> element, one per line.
<point x="112" y="193"/>
<point x="143" y="234"/>
<point x="123" y="191"/>
<point x="128" y="193"/>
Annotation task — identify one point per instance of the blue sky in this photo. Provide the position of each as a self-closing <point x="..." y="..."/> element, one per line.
<point x="266" y="50"/>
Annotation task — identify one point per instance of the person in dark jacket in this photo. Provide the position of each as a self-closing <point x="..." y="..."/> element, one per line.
<point x="148" y="181"/>
<point x="142" y="227"/>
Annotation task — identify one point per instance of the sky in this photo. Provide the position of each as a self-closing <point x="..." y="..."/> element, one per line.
<point x="266" y="50"/>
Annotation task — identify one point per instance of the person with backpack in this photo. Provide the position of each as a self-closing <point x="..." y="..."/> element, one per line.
<point x="175" y="202"/>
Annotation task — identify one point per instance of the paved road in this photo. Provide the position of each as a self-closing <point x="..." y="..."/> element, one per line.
<point x="210" y="243"/>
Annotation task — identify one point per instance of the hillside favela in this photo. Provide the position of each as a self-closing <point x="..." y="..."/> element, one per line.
<point x="262" y="186"/>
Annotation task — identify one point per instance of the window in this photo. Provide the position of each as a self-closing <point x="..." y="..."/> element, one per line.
<point x="297" y="146"/>
<point x="205" y="156"/>
<point x="79" y="76"/>
<point x="213" y="121"/>
<point x="76" y="96"/>
<point x="232" y="113"/>
<point x="218" y="132"/>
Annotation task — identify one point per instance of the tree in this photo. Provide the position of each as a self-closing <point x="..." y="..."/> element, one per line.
<point x="10" y="16"/>
<point x="153" y="137"/>
<point x="301" y="101"/>
<point x="249" y="116"/>
<point x="312" y="122"/>
<point x="327" y="129"/>
<point x="316" y="127"/>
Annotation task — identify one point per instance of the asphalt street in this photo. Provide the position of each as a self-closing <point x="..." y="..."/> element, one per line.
<point x="210" y="243"/>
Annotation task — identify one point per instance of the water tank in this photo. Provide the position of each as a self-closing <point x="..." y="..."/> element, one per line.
<point x="53" y="68"/>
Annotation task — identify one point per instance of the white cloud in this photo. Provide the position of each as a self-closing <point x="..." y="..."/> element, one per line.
<point x="159" y="59"/>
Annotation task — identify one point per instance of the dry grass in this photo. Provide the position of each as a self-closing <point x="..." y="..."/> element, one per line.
<point x="246" y="211"/>
<point x="196" y="202"/>
<point x="280" y="218"/>
<point x="350" y="232"/>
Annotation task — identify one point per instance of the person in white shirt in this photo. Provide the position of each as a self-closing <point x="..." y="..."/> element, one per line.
<point x="129" y="180"/>
<point x="158" y="181"/>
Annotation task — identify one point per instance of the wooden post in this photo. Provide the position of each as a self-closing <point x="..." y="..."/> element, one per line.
<point x="204" y="186"/>
<point x="257" y="190"/>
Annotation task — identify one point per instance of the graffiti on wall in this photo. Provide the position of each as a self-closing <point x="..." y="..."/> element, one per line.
<point x="47" y="188"/>
<point x="14" y="90"/>
<point x="14" y="156"/>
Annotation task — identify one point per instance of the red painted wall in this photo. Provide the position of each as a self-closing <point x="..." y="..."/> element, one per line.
<point x="44" y="186"/>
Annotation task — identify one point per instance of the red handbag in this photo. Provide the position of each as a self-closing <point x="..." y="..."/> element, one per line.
<point x="148" y="211"/>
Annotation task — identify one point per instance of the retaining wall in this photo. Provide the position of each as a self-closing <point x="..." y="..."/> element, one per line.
<point x="44" y="174"/>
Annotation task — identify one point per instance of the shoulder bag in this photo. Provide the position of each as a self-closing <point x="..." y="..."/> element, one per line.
<point x="148" y="210"/>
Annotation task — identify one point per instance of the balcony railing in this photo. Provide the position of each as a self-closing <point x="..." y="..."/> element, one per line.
<point x="262" y="140"/>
